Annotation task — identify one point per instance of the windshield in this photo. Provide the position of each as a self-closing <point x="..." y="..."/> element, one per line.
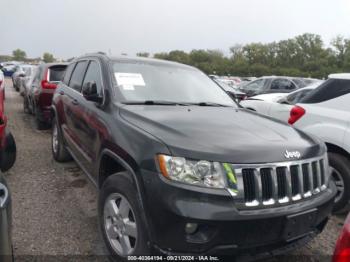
<point x="142" y="82"/>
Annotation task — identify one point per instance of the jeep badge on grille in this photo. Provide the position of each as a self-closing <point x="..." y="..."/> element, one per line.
<point x="292" y="154"/>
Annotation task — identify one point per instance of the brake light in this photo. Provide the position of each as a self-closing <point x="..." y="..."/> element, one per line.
<point x="342" y="248"/>
<point x="46" y="85"/>
<point x="295" y="114"/>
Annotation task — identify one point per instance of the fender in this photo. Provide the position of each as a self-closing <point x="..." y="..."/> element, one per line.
<point x="130" y="170"/>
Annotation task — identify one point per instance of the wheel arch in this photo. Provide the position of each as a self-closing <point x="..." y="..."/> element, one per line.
<point x="333" y="148"/>
<point x="120" y="165"/>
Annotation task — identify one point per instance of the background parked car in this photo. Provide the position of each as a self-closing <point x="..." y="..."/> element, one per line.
<point x="18" y="76"/>
<point x="7" y="159"/>
<point x="277" y="105"/>
<point x="342" y="247"/>
<point x="26" y="87"/>
<point x="272" y="84"/>
<point x="40" y="95"/>
<point x="325" y="112"/>
<point x="28" y="76"/>
<point x="6" y="254"/>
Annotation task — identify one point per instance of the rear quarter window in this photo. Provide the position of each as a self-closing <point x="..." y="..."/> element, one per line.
<point x="330" y="89"/>
<point x="56" y="73"/>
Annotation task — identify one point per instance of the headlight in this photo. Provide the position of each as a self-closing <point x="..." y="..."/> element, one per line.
<point x="198" y="173"/>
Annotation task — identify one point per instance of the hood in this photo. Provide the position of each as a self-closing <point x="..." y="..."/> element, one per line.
<point x="221" y="133"/>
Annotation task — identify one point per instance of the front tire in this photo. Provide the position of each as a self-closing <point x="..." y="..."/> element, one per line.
<point x="59" y="151"/>
<point x="120" y="221"/>
<point x="340" y="172"/>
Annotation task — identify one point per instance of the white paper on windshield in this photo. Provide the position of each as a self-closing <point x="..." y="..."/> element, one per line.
<point x="129" y="79"/>
<point x="128" y="87"/>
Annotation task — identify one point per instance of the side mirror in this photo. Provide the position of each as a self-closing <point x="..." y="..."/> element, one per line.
<point x="22" y="75"/>
<point x="90" y="92"/>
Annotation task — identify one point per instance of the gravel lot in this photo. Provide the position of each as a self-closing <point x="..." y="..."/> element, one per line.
<point x="54" y="205"/>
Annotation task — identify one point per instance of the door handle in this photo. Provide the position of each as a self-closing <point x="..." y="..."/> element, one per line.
<point x="75" y="102"/>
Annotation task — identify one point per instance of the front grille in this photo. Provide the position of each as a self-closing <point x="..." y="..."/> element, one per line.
<point x="280" y="183"/>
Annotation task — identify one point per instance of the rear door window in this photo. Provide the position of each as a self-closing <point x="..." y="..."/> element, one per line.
<point x="330" y="89"/>
<point x="56" y="73"/>
<point x="282" y="85"/>
<point x="76" y="80"/>
<point x="68" y="73"/>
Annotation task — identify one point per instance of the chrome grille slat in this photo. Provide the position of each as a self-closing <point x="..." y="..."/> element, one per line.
<point x="280" y="183"/>
<point x="311" y="177"/>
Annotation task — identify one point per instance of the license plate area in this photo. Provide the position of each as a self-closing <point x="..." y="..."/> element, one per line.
<point x="300" y="224"/>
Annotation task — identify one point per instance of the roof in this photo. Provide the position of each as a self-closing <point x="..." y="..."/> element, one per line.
<point x="137" y="59"/>
<point x="340" y="76"/>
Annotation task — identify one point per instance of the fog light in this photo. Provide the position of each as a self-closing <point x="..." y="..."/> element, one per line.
<point x="191" y="228"/>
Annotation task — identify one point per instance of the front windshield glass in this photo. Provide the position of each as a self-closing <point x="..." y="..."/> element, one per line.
<point x="140" y="82"/>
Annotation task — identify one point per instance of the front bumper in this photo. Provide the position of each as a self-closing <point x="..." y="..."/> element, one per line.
<point x="222" y="228"/>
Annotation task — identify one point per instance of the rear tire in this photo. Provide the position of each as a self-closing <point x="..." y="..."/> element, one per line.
<point x="26" y="108"/>
<point x="40" y="125"/>
<point x="116" y="226"/>
<point x="340" y="167"/>
<point x="59" y="151"/>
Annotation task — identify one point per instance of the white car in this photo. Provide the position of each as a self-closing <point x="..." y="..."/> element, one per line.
<point x="277" y="105"/>
<point x="325" y="113"/>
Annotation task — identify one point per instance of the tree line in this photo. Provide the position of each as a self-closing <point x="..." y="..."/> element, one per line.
<point x="21" y="55"/>
<point x="304" y="55"/>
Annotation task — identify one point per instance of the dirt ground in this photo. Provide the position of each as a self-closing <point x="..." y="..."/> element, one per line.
<point x="54" y="205"/>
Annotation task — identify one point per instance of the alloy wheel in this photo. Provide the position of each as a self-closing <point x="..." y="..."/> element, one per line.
<point x="339" y="182"/>
<point x="120" y="224"/>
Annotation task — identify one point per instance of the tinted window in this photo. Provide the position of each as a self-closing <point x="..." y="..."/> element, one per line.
<point x="78" y="75"/>
<point x="330" y="89"/>
<point x="282" y="84"/>
<point x="297" y="96"/>
<point x="56" y="73"/>
<point x="68" y="74"/>
<point x="93" y="74"/>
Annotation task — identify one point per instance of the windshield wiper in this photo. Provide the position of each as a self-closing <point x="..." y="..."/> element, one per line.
<point x="209" y="104"/>
<point x="155" y="102"/>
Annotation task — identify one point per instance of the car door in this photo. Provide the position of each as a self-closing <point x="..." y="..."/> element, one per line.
<point x="91" y="125"/>
<point x="73" y="111"/>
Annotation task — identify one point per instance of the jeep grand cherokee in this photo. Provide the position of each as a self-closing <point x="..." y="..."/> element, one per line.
<point x="180" y="168"/>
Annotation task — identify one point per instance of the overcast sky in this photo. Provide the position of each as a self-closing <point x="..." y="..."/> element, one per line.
<point x="69" y="28"/>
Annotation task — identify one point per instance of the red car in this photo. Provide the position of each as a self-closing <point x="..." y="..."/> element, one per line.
<point x="7" y="142"/>
<point x="39" y="97"/>
<point x="342" y="248"/>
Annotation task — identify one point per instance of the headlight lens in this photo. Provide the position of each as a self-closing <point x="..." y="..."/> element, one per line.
<point x="199" y="173"/>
